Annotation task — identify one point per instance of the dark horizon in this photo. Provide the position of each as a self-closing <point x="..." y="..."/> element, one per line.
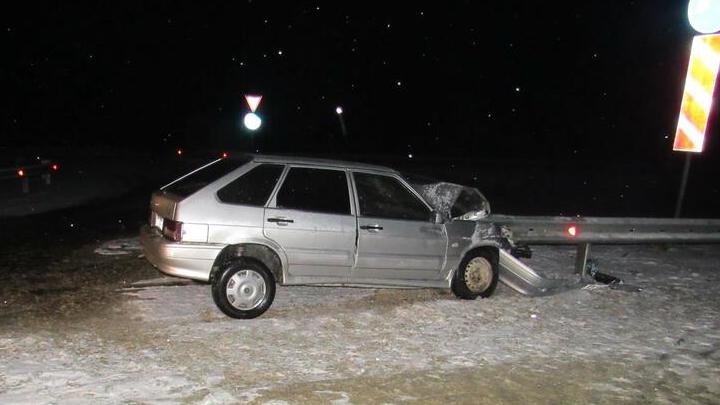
<point x="594" y="81"/>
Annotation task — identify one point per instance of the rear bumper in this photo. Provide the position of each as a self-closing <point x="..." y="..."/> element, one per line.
<point x="188" y="260"/>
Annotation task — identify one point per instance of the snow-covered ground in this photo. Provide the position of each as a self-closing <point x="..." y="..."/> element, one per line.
<point x="162" y="340"/>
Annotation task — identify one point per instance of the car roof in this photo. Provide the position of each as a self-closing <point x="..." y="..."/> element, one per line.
<point x="320" y="162"/>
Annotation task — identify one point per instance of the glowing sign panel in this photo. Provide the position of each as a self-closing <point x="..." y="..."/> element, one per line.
<point x="253" y="101"/>
<point x="697" y="97"/>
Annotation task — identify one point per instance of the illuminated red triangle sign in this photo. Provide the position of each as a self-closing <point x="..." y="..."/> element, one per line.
<point x="253" y="101"/>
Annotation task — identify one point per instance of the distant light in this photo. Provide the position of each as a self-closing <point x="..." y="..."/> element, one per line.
<point x="55" y="167"/>
<point x="252" y="121"/>
<point x="339" y="110"/>
<point x="410" y="156"/>
<point x="179" y="152"/>
<point x="279" y="52"/>
<point x="21" y="172"/>
<point x="704" y="15"/>
<point x="225" y="155"/>
<point x="572" y="231"/>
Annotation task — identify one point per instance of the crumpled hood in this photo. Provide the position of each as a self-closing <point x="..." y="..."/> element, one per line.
<point x="454" y="200"/>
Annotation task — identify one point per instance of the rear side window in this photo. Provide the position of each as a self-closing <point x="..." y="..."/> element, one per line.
<point x="316" y="190"/>
<point x="253" y="187"/>
<point x="385" y="197"/>
<point x="204" y="176"/>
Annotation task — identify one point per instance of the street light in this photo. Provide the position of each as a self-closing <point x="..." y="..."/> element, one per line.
<point x="704" y="15"/>
<point x="252" y="121"/>
<point x="339" y="112"/>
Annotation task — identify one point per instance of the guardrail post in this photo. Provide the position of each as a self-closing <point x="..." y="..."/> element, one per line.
<point x="583" y="254"/>
<point x="683" y="185"/>
<point x="25" y="185"/>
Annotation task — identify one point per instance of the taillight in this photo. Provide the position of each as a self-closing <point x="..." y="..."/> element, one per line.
<point x="55" y="167"/>
<point x="172" y="230"/>
<point x="20" y="172"/>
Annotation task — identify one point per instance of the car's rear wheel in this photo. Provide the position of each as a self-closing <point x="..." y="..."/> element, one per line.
<point x="244" y="289"/>
<point x="477" y="274"/>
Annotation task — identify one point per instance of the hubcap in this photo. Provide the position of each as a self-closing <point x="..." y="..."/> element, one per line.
<point x="478" y="274"/>
<point x="246" y="290"/>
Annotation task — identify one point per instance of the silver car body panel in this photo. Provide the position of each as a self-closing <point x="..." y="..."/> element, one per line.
<point x="315" y="248"/>
<point x="405" y="250"/>
<point x="318" y="246"/>
<point x="189" y="260"/>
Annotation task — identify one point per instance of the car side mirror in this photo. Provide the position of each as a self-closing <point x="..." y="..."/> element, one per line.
<point x="436" y="217"/>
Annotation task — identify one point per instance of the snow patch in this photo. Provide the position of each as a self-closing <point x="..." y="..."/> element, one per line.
<point x="119" y="247"/>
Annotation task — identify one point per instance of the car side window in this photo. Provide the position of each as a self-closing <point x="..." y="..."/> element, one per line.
<point x="317" y="190"/>
<point x="386" y="197"/>
<point x="253" y="187"/>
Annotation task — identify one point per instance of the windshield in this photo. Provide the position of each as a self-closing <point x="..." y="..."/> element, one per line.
<point x="199" y="178"/>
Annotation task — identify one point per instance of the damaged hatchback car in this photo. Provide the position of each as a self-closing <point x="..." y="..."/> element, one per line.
<point x="247" y="224"/>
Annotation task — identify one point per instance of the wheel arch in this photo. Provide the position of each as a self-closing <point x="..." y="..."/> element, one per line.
<point x="265" y="254"/>
<point x="488" y="244"/>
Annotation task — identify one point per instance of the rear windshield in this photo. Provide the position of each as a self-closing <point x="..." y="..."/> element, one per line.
<point x="204" y="176"/>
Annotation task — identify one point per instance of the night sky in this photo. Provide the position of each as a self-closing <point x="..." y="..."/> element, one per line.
<point x="506" y="79"/>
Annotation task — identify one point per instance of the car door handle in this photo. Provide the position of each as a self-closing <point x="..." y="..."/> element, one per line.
<point x="371" y="227"/>
<point x="281" y="221"/>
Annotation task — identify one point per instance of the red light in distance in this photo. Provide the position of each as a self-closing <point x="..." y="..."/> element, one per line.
<point x="225" y="155"/>
<point x="21" y="172"/>
<point x="55" y="167"/>
<point x="179" y="152"/>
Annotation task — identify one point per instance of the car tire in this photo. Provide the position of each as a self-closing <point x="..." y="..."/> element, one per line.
<point x="477" y="274"/>
<point x="243" y="289"/>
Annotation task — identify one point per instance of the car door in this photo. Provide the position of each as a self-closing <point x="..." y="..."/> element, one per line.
<point x="312" y="219"/>
<point x="397" y="240"/>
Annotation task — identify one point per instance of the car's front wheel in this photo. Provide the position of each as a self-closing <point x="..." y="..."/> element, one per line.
<point x="244" y="289"/>
<point x="477" y="274"/>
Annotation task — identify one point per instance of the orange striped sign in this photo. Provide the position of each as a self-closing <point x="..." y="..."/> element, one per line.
<point x="698" y="94"/>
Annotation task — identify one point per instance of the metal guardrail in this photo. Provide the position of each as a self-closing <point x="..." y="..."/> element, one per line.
<point x="583" y="231"/>
<point x="607" y="230"/>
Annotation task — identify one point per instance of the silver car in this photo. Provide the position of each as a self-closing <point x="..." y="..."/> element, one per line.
<point x="245" y="224"/>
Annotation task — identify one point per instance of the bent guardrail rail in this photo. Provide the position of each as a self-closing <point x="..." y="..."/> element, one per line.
<point x="537" y="230"/>
<point x="583" y="231"/>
